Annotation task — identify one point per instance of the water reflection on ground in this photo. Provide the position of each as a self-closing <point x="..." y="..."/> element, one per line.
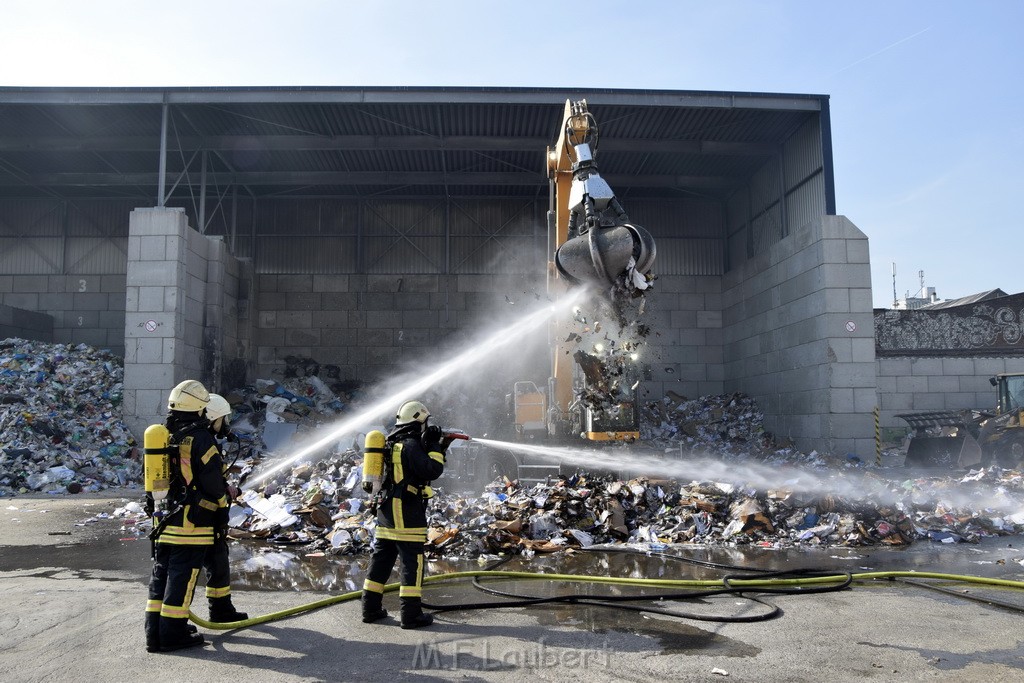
<point x="262" y="567"/>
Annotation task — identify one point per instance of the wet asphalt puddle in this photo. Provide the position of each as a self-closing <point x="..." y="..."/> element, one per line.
<point x="109" y="554"/>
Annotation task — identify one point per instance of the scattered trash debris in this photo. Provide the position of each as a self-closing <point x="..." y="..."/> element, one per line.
<point x="60" y="420"/>
<point x="61" y="432"/>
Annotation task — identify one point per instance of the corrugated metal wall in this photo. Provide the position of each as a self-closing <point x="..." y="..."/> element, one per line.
<point x="483" y="236"/>
<point x="806" y="202"/>
<point x="688" y="256"/>
<point x="765" y="188"/>
<point x="323" y="236"/>
<point x="55" y="237"/>
<point x="786" y="192"/>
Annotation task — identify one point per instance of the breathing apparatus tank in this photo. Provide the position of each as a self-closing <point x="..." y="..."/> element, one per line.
<point x="157" y="461"/>
<point x="373" y="462"/>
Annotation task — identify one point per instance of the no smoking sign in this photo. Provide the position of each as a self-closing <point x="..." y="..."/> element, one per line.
<point x="851" y="326"/>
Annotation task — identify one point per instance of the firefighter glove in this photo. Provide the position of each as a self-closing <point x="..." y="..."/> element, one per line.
<point x="432" y="438"/>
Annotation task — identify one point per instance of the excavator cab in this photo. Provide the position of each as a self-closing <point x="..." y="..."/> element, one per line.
<point x="1002" y="435"/>
<point x="618" y="422"/>
<point x="1010" y="392"/>
<point x="529" y="410"/>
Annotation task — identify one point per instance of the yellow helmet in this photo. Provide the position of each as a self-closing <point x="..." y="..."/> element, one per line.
<point x="190" y="397"/>
<point x="217" y="407"/>
<point x="411" y="411"/>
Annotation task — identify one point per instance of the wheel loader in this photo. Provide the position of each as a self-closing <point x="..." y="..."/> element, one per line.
<point x="971" y="438"/>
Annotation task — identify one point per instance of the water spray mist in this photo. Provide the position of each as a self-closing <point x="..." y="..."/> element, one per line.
<point x="481" y="349"/>
<point x="851" y="484"/>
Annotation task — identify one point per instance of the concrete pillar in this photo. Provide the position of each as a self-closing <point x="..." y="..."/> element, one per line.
<point x="799" y="336"/>
<point x="175" y="304"/>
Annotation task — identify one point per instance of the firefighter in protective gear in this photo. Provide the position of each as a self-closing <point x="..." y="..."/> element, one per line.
<point x="414" y="456"/>
<point x="186" y="531"/>
<point x="216" y="562"/>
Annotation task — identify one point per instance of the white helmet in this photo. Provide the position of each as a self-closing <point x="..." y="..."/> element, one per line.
<point x="411" y="411"/>
<point x="189" y="396"/>
<point x="218" y="407"/>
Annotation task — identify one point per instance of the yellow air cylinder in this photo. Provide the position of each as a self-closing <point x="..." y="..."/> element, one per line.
<point x="373" y="459"/>
<point x="157" y="461"/>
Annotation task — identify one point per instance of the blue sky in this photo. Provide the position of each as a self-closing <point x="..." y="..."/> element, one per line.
<point x="927" y="113"/>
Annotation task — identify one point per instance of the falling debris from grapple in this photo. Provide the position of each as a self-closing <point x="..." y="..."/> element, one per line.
<point x="594" y="243"/>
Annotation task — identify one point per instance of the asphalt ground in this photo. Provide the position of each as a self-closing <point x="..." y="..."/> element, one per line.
<point x="74" y="593"/>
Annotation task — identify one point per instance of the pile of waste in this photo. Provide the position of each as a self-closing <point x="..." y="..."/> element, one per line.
<point x="61" y="431"/>
<point x="60" y="420"/>
<point x="726" y="424"/>
<point x="320" y="505"/>
<point x="579" y="511"/>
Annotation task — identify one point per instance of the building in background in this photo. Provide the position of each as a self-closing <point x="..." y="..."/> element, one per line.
<point x="216" y="232"/>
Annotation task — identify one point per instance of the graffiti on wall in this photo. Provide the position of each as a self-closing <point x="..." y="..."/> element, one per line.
<point x="991" y="327"/>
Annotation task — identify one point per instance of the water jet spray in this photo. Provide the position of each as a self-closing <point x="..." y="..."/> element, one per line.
<point x="852" y="484"/>
<point x="478" y="351"/>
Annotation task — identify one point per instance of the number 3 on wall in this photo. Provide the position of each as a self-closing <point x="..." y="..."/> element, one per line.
<point x="82" y="285"/>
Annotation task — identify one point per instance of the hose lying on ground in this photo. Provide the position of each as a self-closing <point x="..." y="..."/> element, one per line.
<point x="786" y="582"/>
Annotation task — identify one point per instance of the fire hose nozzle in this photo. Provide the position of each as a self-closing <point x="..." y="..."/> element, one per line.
<point x="456" y="434"/>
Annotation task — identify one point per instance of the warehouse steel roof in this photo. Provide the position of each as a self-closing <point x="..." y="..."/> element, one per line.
<point x="361" y="142"/>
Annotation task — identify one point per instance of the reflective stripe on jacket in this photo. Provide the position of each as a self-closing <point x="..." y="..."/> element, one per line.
<point x="202" y="489"/>
<point x="403" y="514"/>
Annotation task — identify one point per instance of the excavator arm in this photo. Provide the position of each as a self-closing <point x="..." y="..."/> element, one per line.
<point x="591" y="242"/>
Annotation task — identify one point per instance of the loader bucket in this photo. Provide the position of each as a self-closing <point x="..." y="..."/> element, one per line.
<point x="953" y="447"/>
<point x="957" y="452"/>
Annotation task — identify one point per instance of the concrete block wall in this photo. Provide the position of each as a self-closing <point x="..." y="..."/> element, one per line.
<point x="684" y="349"/>
<point x="372" y="325"/>
<point x="178" y="298"/>
<point x="916" y="384"/>
<point x="798" y="336"/>
<point x="86" y="309"/>
<point x="22" y="324"/>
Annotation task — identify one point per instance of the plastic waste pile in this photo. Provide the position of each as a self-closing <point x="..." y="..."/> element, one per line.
<point x="580" y="511"/>
<point x="312" y="507"/>
<point x="317" y="503"/>
<point x="320" y="503"/>
<point x="730" y="423"/>
<point x="60" y="420"/>
<point x="61" y="431"/>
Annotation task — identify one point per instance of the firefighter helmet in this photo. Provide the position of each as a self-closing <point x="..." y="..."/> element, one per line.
<point x="411" y="411"/>
<point x="217" y="407"/>
<point x="189" y="397"/>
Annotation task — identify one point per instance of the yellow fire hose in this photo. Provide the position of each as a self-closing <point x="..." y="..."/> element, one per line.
<point x="646" y="583"/>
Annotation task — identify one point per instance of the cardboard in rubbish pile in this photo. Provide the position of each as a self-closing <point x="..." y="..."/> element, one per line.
<point x="319" y="503"/>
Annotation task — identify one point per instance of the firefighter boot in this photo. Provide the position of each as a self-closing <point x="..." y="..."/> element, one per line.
<point x="174" y="635"/>
<point x="223" y="612"/>
<point x="152" y="632"/>
<point x="412" y="614"/>
<point x="373" y="609"/>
